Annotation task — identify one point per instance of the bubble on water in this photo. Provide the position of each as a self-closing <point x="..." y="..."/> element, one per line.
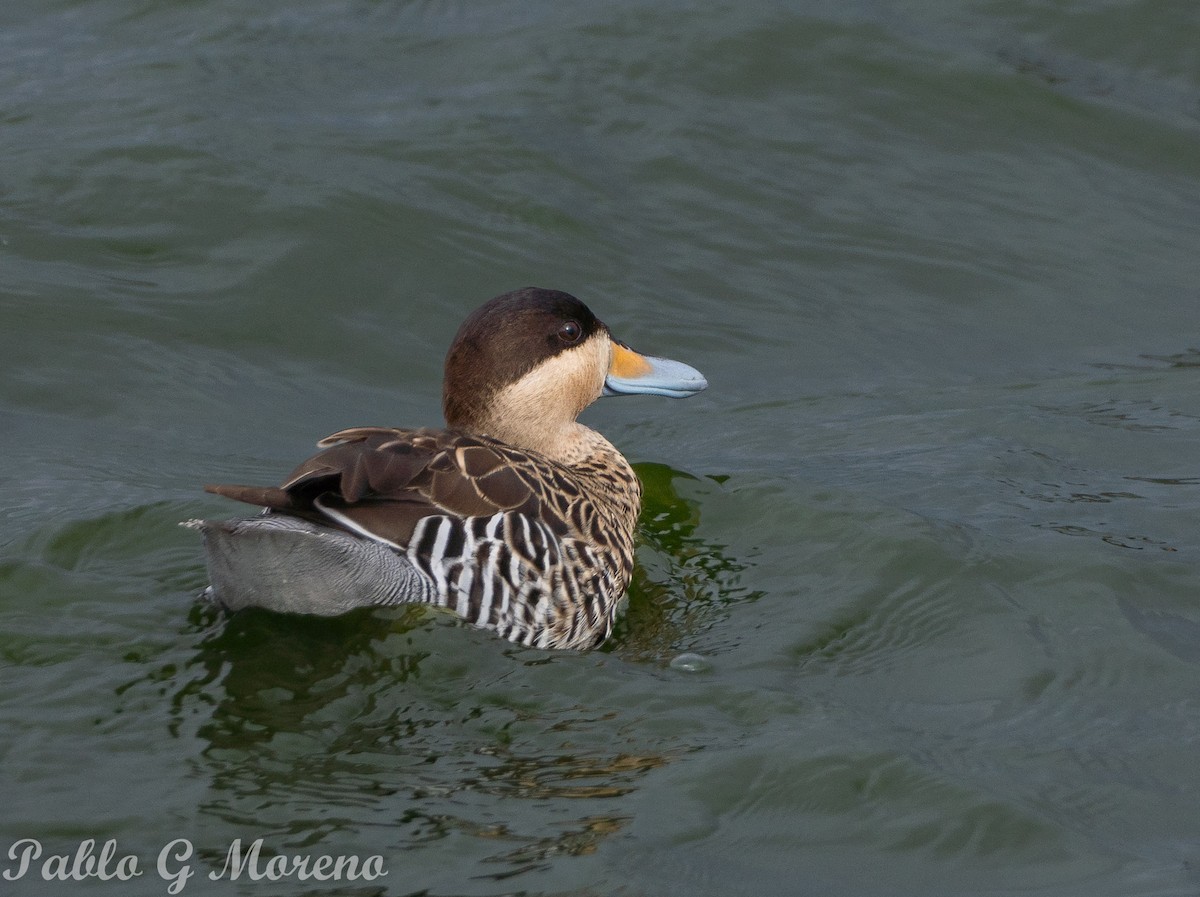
<point x="691" y="663"/>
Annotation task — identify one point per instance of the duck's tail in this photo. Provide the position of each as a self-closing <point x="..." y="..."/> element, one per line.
<point x="290" y="565"/>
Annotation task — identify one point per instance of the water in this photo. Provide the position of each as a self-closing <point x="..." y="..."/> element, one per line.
<point x="916" y="604"/>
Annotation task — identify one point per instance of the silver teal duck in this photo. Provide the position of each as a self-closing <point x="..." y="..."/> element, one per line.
<point x="515" y="516"/>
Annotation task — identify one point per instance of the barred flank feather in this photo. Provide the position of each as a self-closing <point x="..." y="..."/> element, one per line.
<point x="509" y="573"/>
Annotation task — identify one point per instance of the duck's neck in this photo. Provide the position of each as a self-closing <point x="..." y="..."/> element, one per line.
<point x="570" y="443"/>
<point x="609" y="474"/>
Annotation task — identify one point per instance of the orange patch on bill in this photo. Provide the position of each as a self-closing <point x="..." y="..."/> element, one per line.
<point x="627" y="364"/>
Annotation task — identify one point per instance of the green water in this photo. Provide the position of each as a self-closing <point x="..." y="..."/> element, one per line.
<point x="916" y="610"/>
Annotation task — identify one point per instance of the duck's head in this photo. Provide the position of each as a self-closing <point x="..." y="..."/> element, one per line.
<point x="524" y="365"/>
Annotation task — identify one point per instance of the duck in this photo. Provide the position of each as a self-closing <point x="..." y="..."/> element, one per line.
<point x="515" y="516"/>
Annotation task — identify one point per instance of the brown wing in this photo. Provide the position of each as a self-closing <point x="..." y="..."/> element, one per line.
<point x="382" y="481"/>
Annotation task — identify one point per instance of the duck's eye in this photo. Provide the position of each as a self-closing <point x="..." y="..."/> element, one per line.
<point x="570" y="332"/>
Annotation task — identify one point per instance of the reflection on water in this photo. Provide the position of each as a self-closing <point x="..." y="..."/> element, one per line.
<point x="319" y="725"/>
<point x="683" y="584"/>
<point x="577" y="842"/>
